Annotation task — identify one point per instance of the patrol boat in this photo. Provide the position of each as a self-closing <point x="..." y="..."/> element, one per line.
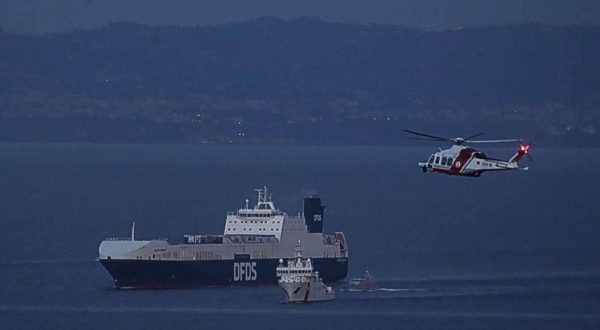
<point x="363" y="283"/>
<point x="253" y="241"/>
<point x="300" y="282"/>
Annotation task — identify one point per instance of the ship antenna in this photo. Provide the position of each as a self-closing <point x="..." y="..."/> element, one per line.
<point x="247" y="203"/>
<point x="298" y="249"/>
<point x="259" y="195"/>
<point x="133" y="231"/>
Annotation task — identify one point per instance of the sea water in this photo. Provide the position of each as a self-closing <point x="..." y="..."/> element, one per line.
<point x="511" y="250"/>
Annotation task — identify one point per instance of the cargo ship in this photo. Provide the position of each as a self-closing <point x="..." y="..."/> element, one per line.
<point x="247" y="253"/>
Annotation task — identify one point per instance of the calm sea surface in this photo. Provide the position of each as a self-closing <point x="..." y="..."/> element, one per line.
<point x="515" y="250"/>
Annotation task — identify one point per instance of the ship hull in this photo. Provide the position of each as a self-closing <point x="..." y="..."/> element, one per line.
<point x="310" y="291"/>
<point x="169" y="274"/>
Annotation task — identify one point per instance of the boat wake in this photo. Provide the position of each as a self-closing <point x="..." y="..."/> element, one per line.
<point x="473" y="286"/>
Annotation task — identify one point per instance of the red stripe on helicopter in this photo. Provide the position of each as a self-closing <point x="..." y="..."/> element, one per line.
<point x="461" y="161"/>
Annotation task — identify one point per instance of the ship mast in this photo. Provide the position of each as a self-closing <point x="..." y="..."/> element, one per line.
<point x="298" y="248"/>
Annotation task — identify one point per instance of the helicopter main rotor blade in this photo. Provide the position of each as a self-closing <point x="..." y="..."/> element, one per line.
<point x="432" y="137"/>
<point x="494" y="141"/>
<point x="425" y="139"/>
<point x="474" y="136"/>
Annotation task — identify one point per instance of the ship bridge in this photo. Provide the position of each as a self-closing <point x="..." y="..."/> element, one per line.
<point x="264" y="219"/>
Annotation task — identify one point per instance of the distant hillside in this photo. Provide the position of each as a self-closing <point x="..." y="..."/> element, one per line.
<point x="299" y="81"/>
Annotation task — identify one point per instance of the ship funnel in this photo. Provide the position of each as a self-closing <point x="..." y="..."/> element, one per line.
<point x="313" y="214"/>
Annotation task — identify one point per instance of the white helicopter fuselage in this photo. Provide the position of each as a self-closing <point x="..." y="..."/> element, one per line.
<point x="467" y="161"/>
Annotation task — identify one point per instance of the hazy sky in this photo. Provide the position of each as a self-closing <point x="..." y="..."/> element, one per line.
<point x="33" y="16"/>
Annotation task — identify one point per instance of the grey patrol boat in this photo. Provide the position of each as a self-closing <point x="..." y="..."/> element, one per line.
<point x="363" y="283"/>
<point x="300" y="282"/>
<point x="253" y="241"/>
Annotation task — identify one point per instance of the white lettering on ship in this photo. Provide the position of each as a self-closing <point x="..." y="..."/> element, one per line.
<point x="244" y="271"/>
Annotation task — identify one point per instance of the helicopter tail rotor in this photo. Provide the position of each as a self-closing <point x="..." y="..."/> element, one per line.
<point x="527" y="152"/>
<point x="523" y="150"/>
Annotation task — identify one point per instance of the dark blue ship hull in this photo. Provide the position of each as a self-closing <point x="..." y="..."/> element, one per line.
<point x="166" y="274"/>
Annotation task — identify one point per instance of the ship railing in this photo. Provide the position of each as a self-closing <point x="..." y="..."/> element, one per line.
<point x="329" y="239"/>
<point x="118" y="239"/>
<point x="342" y="241"/>
<point x="256" y="214"/>
<point x="337" y="239"/>
<point x="203" y="239"/>
<point x="250" y="239"/>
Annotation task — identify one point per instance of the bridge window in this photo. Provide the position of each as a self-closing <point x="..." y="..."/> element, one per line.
<point x="437" y="160"/>
<point x="431" y="158"/>
<point x="450" y="161"/>
<point x="444" y="160"/>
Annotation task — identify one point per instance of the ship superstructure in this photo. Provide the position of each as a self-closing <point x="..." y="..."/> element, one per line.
<point x="248" y="251"/>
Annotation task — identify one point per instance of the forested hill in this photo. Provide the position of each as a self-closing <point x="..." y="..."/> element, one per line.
<point x="299" y="81"/>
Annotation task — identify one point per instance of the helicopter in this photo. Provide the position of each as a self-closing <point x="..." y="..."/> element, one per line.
<point x="463" y="160"/>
